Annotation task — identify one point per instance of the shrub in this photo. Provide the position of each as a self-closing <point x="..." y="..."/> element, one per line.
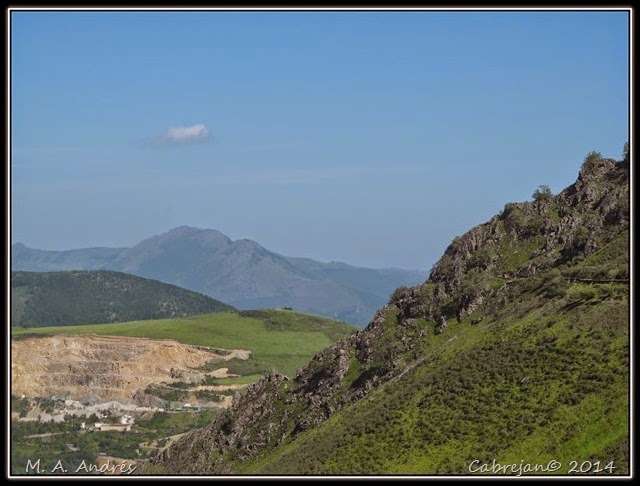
<point x="581" y="295"/>
<point x="556" y="285"/>
<point x="513" y="216"/>
<point x="591" y="160"/>
<point x="397" y="293"/>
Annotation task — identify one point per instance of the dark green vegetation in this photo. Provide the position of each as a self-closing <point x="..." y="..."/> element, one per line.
<point x="81" y="297"/>
<point x="515" y="349"/>
<point x="66" y="441"/>
<point x="279" y="340"/>
<point x="289" y="320"/>
<point x="241" y="273"/>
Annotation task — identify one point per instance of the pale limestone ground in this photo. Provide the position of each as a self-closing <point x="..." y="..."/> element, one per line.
<point x="110" y="367"/>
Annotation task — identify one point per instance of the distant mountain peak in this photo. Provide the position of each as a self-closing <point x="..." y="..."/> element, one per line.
<point x="187" y="229"/>
<point x="191" y="230"/>
<point x="206" y="236"/>
<point x="242" y="272"/>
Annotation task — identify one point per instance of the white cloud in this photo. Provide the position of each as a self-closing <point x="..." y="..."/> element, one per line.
<point x="197" y="133"/>
<point x="193" y="133"/>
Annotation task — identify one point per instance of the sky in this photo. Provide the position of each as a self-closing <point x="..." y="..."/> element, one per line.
<point x="372" y="138"/>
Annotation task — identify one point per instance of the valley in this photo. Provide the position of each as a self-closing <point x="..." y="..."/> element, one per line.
<point x="130" y="389"/>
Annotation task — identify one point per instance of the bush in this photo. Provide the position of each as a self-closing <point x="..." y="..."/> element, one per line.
<point x="204" y="395"/>
<point x="581" y="295"/>
<point x="397" y="294"/>
<point x="556" y="285"/>
<point x="591" y="160"/>
<point x="513" y="216"/>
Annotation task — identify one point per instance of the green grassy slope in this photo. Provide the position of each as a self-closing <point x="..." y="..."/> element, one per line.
<point x="280" y="340"/>
<point x="75" y="297"/>
<point x="548" y="383"/>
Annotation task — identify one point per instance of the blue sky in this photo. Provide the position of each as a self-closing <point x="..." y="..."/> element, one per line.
<point x="372" y="138"/>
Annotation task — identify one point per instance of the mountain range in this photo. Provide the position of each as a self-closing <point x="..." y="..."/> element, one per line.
<point x="240" y="273"/>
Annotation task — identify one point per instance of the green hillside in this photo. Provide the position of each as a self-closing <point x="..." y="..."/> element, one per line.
<point x="540" y="384"/>
<point x="281" y="340"/>
<point x="516" y="349"/>
<point x="87" y="297"/>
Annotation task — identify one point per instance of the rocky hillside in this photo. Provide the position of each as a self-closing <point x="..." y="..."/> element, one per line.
<point x="241" y="273"/>
<point x="516" y="349"/>
<point x="88" y="297"/>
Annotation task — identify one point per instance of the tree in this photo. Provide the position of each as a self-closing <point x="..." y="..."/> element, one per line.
<point x="625" y="152"/>
<point x="542" y="193"/>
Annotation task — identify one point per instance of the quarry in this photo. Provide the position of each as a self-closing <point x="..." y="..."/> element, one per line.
<point x="113" y="377"/>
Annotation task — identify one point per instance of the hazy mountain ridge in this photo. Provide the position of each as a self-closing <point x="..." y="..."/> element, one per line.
<point x="241" y="273"/>
<point x="515" y="347"/>
<point x="28" y="259"/>
<point x="99" y="296"/>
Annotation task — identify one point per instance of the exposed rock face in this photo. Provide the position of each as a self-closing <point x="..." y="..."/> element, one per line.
<point x="277" y="408"/>
<point x="113" y="368"/>
<point x="477" y="267"/>
<point x="573" y="224"/>
<point x="235" y="430"/>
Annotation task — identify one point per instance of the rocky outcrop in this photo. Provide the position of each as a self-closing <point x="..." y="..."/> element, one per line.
<point x="235" y="431"/>
<point x="277" y="408"/>
<point x="532" y="236"/>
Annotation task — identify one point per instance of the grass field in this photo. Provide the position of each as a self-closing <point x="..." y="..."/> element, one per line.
<point x="280" y="340"/>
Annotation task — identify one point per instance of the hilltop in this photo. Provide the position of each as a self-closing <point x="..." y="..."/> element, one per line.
<point x="241" y="273"/>
<point x="87" y="297"/>
<point x="516" y="348"/>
